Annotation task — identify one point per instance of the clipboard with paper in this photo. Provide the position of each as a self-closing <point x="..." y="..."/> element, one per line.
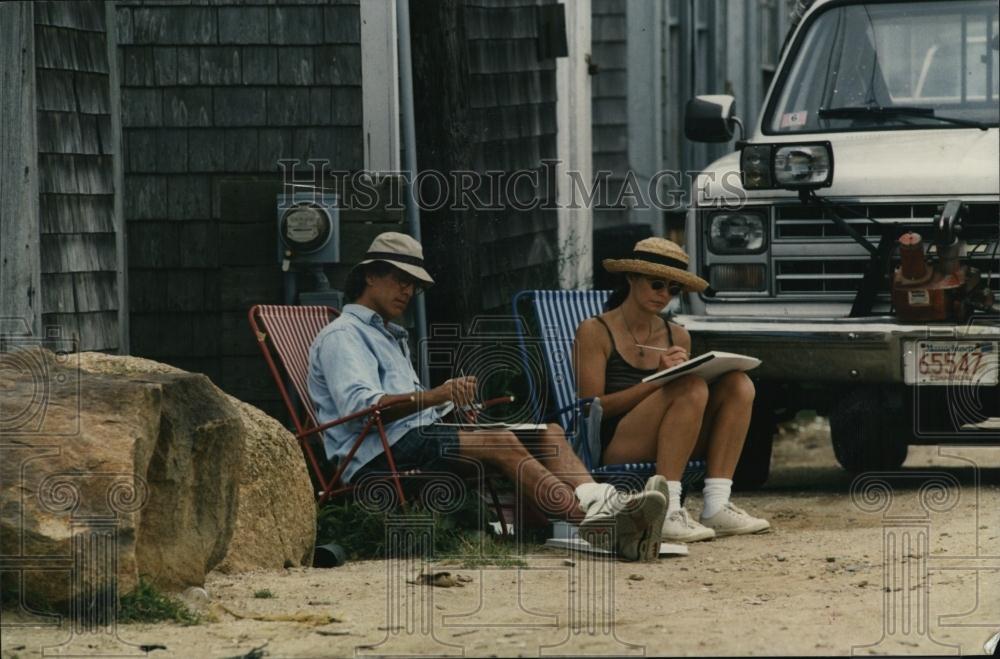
<point x="709" y="366"/>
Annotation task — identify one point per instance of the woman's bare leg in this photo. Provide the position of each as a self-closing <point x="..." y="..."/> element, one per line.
<point x="726" y="422"/>
<point x="664" y="428"/>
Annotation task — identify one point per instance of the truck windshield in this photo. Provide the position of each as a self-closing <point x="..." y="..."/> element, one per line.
<point x="892" y="65"/>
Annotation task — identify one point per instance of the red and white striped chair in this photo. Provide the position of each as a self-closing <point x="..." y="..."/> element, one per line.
<point x="284" y="335"/>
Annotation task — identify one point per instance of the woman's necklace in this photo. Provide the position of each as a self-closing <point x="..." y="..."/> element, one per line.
<point x="642" y="352"/>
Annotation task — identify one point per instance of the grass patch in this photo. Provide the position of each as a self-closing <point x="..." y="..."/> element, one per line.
<point x="147" y="604"/>
<point x="457" y="537"/>
<point x="264" y="594"/>
<point x="474" y="549"/>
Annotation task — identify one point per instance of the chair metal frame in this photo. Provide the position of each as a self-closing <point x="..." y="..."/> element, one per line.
<point x="309" y="428"/>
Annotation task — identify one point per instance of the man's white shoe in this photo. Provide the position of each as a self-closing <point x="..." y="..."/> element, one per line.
<point x="636" y="519"/>
<point x="735" y="521"/>
<point x="679" y="527"/>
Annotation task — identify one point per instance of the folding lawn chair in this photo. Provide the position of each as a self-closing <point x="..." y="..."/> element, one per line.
<point x="558" y="313"/>
<point x="284" y="335"/>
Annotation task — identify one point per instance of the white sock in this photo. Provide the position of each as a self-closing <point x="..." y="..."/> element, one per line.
<point x="716" y="494"/>
<point x="673" y="496"/>
<point x="588" y="493"/>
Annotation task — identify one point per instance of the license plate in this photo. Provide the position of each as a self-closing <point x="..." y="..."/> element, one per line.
<point x="950" y="362"/>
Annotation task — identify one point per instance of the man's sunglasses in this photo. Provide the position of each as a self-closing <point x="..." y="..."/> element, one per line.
<point x="673" y="287"/>
<point x="405" y="281"/>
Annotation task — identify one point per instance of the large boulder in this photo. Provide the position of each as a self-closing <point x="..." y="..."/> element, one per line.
<point x="276" y="520"/>
<point x="276" y="514"/>
<point x="118" y="464"/>
<point x="112" y="475"/>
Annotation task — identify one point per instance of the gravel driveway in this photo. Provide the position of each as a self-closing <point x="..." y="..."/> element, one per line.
<point x="901" y="564"/>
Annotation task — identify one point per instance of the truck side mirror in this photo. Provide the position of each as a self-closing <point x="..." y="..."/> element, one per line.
<point x="710" y="118"/>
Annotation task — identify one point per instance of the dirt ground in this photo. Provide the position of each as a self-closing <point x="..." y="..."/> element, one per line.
<point x="917" y="572"/>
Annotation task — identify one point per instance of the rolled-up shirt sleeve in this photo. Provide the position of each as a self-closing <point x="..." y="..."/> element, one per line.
<point x="351" y="371"/>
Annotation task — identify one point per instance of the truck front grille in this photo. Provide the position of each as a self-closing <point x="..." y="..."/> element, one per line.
<point x="796" y="276"/>
<point x="813" y="257"/>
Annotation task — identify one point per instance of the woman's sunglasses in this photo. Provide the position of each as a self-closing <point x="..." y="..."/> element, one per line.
<point x="673" y="287"/>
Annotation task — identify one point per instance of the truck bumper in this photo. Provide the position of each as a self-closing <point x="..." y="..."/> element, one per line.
<point x="833" y="350"/>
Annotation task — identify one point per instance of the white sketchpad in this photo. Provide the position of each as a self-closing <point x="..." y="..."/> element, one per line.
<point x="582" y="546"/>
<point x="709" y="366"/>
<point x="993" y="423"/>
<point x="566" y="536"/>
<point x="498" y="530"/>
<point x="513" y="427"/>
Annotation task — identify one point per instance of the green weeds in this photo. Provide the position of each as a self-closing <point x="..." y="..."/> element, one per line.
<point x="147" y="604"/>
<point x="457" y="537"/>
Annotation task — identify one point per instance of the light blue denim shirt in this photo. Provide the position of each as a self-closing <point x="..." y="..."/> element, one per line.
<point x="353" y="362"/>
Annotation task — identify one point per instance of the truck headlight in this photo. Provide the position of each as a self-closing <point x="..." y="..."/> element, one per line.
<point x="790" y="166"/>
<point x="736" y="233"/>
<point x="755" y="165"/>
<point x="803" y="166"/>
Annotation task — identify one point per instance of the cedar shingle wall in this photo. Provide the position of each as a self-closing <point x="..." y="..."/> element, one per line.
<point x="213" y="95"/>
<point x="514" y="96"/>
<point x="76" y="173"/>
<point x="609" y="106"/>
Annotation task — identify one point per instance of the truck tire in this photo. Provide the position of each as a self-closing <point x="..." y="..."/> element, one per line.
<point x="754" y="466"/>
<point x="866" y="433"/>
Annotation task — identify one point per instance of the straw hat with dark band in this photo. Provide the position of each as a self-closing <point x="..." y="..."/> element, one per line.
<point x="401" y="251"/>
<point x="659" y="257"/>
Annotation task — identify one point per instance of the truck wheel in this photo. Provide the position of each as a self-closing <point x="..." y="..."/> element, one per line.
<point x="865" y="430"/>
<point x="755" y="462"/>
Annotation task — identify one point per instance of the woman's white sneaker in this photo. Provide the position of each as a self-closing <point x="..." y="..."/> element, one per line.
<point x="735" y="521"/>
<point x="679" y="527"/>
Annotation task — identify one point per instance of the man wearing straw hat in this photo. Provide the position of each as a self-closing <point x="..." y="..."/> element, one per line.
<point x="664" y="423"/>
<point x="362" y="359"/>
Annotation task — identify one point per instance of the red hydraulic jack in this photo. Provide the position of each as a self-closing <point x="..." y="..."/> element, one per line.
<point x="945" y="290"/>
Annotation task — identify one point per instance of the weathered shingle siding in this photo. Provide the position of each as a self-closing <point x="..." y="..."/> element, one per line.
<point x="609" y="106"/>
<point x="514" y="97"/>
<point x="213" y="95"/>
<point x="76" y="173"/>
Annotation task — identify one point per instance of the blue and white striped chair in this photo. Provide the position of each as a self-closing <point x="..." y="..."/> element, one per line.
<point x="558" y="313"/>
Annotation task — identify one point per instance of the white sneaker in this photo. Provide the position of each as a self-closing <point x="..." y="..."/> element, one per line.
<point x="635" y="519"/>
<point x="735" y="521"/>
<point x="679" y="527"/>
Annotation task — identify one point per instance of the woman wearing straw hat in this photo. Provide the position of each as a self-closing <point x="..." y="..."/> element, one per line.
<point x="664" y="423"/>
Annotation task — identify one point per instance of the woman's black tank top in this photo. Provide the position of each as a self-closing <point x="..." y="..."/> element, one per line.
<point x="619" y="374"/>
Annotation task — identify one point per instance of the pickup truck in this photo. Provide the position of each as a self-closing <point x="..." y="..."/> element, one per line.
<point x="851" y="239"/>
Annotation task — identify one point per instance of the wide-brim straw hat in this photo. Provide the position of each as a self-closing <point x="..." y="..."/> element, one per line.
<point x="401" y="251"/>
<point x="659" y="257"/>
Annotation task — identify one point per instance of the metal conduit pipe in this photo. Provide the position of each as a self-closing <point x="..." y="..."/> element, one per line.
<point x="409" y="131"/>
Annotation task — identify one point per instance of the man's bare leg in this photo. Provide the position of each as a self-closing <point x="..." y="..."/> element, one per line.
<point x="505" y="452"/>
<point x="553" y="451"/>
<point x="636" y="519"/>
